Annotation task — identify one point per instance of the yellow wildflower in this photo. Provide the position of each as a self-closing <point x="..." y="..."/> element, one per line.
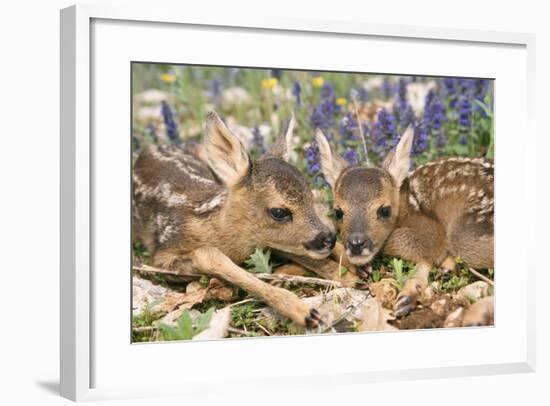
<point x="318" y="81"/>
<point x="168" y="77"/>
<point x="269" y="83"/>
<point x="341" y="101"/>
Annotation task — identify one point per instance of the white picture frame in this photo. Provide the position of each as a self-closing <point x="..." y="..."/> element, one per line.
<point x="78" y="351"/>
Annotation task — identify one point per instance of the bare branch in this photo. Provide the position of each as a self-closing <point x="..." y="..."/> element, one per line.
<point x="480" y="276"/>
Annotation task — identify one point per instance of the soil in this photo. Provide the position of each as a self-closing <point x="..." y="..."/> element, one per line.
<point x="424" y="317"/>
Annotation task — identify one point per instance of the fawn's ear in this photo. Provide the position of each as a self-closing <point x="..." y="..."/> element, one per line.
<point x="283" y="144"/>
<point x="331" y="164"/>
<point x="398" y="162"/>
<point x="224" y="151"/>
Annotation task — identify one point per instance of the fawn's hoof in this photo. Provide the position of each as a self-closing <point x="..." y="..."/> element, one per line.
<point x="403" y="305"/>
<point x="364" y="271"/>
<point x="313" y="320"/>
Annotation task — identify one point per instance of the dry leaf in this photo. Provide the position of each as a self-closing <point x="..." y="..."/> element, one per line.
<point x="176" y="299"/>
<point x="454" y="319"/>
<point x="337" y="304"/>
<point x="333" y="306"/>
<point x="290" y="269"/>
<point x="430" y="292"/>
<point x="218" y="290"/>
<point x="439" y="307"/>
<point x="481" y="313"/>
<point x="219" y="324"/>
<point x="374" y="317"/>
<point x="385" y="291"/>
<point x="144" y="293"/>
<point x="171" y="319"/>
<point x="473" y="291"/>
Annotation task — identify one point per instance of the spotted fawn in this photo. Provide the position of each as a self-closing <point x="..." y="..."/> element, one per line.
<point x="441" y="210"/>
<point x="203" y="209"/>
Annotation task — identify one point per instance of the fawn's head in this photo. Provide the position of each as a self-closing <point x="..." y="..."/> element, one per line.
<point x="366" y="200"/>
<point x="269" y="197"/>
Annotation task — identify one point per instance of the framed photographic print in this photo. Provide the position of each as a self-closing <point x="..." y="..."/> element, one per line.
<point x="240" y="201"/>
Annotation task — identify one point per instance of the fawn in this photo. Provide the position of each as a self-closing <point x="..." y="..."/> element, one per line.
<point x="203" y="209"/>
<point x="441" y="210"/>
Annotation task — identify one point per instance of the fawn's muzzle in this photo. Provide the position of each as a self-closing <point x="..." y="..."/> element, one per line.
<point x="358" y="242"/>
<point x="324" y="242"/>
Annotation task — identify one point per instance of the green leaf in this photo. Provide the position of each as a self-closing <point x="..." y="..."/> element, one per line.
<point x="185" y="326"/>
<point x="169" y="333"/>
<point x="259" y="261"/>
<point x="203" y="320"/>
<point x="484" y="107"/>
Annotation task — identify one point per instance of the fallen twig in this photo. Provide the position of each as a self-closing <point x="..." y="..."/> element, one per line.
<point x="482" y="277"/>
<point x="264" y="276"/>
<point x="144" y="329"/>
<point x="239" y="331"/>
<point x="297" y="279"/>
<point x="153" y="269"/>
<point x="262" y="327"/>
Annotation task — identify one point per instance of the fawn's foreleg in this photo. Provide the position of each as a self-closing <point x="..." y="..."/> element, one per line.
<point x="327" y="268"/>
<point x="425" y="246"/>
<point x="213" y="262"/>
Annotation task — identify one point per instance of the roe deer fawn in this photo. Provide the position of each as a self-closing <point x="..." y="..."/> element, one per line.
<point x="204" y="209"/>
<point x="441" y="210"/>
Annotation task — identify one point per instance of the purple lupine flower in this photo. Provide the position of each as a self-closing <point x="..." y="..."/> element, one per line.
<point x="420" y="140"/>
<point x="348" y="131"/>
<point x="170" y="123"/>
<point x="464" y="123"/>
<point x="401" y="101"/>
<point x="434" y="116"/>
<point x="313" y="164"/>
<point x="258" y="143"/>
<point x="276" y="73"/>
<point x="152" y="132"/>
<point x="313" y="159"/>
<point x="297" y="91"/>
<point x="216" y="90"/>
<point x="347" y="128"/>
<point x="363" y="94"/>
<point x="434" y="112"/>
<point x="384" y="132"/>
<point x="451" y="90"/>
<point x="480" y="92"/>
<point x="465" y="111"/>
<point x="386" y="89"/>
<point x="351" y="156"/>
<point x="322" y="115"/>
<point x="401" y="108"/>
<point x="327" y="91"/>
<point x="450" y="85"/>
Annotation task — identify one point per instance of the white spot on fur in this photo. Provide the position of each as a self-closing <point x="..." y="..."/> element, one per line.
<point x="413" y="202"/>
<point x="211" y="204"/>
<point x="162" y="192"/>
<point x="183" y="168"/>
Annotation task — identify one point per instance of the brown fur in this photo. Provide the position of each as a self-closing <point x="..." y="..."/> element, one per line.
<point x="205" y="208"/>
<point x="443" y="209"/>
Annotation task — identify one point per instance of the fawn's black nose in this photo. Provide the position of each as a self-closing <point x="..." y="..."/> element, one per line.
<point x="357" y="242"/>
<point x="323" y="241"/>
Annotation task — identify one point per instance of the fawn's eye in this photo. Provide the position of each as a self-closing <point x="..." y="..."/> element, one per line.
<point x="384" y="212"/>
<point x="280" y="215"/>
<point x="338" y="214"/>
